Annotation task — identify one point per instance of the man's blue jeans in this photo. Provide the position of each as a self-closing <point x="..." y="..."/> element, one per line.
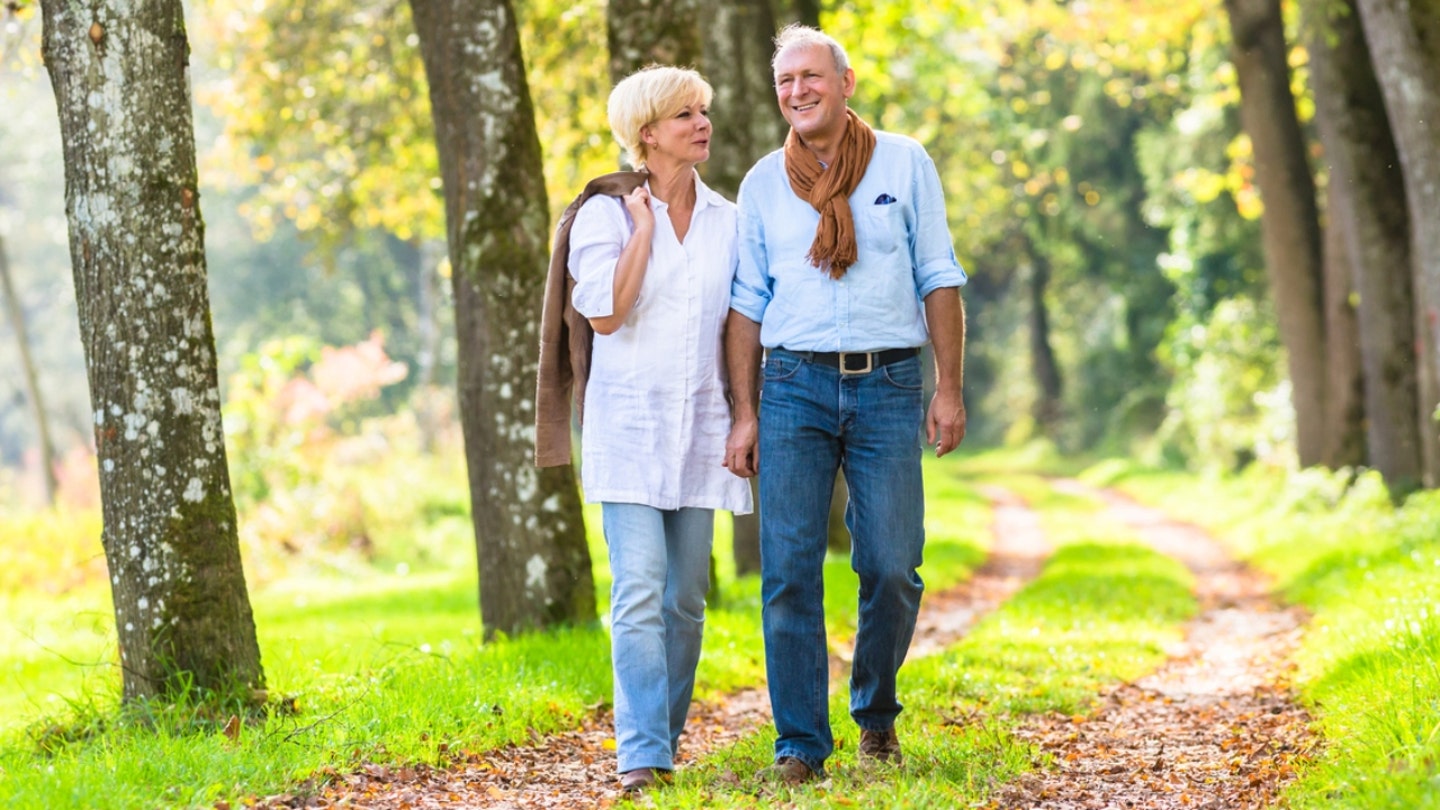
<point x="814" y="420"/>
<point x="660" y="564"/>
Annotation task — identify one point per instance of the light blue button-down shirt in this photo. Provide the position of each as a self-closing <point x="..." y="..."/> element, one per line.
<point x="905" y="253"/>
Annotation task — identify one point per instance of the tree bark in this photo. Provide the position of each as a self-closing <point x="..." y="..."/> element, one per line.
<point x="182" y="613"/>
<point x="738" y="43"/>
<point x="1043" y="366"/>
<point x="738" y="40"/>
<point x="1404" y="40"/>
<point x="639" y="32"/>
<point x="1344" y="379"/>
<point x="31" y="375"/>
<point x="1290" y="224"/>
<point x="1364" y="172"/>
<point x="530" y="535"/>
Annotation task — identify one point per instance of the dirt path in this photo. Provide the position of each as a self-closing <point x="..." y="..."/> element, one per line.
<point x="574" y="769"/>
<point x="1214" y="728"/>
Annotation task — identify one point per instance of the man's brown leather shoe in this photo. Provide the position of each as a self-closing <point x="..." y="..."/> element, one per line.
<point x="789" y="770"/>
<point x="880" y="745"/>
<point x="637" y="780"/>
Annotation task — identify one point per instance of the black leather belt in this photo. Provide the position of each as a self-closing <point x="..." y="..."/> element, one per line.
<point x="856" y="362"/>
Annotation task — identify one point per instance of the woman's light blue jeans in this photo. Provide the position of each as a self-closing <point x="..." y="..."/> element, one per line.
<point x="660" y="564"/>
<point x="814" y="420"/>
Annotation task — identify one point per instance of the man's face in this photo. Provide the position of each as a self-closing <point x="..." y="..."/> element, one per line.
<point x="812" y="92"/>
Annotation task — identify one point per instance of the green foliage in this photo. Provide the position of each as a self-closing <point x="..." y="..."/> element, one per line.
<point x="327" y="115"/>
<point x="1228" y="406"/>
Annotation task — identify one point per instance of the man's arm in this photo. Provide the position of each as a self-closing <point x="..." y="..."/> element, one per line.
<point x="945" y="422"/>
<point x="742" y="362"/>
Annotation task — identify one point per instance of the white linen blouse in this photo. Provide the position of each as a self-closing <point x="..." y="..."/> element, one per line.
<point x="656" y="416"/>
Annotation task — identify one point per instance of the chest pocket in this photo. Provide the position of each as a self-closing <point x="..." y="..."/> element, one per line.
<point x="882" y="227"/>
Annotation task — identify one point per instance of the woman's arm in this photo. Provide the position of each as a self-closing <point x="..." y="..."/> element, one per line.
<point x="630" y="268"/>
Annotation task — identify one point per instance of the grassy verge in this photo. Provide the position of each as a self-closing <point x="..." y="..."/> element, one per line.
<point x="382" y="662"/>
<point x="1369" y="665"/>
<point x="1102" y="611"/>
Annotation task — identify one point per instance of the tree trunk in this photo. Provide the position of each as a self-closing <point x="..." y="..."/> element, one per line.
<point x="120" y="75"/>
<point x="16" y="315"/>
<point x="1404" y="40"/>
<point x="1290" y="224"/>
<point x="639" y="32"/>
<point x="1365" y="171"/>
<point x="805" y="12"/>
<point x="738" y="42"/>
<point x="1048" y="387"/>
<point x="530" y="535"/>
<point x="1345" y="382"/>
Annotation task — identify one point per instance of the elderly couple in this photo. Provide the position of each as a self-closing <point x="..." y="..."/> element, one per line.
<point x="839" y="263"/>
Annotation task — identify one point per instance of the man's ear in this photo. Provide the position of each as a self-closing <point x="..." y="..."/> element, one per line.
<point x="849" y="82"/>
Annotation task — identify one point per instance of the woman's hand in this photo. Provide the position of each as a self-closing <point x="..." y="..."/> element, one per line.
<point x="637" y="203"/>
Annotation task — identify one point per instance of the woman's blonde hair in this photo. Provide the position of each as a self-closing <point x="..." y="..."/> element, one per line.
<point x="648" y="95"/>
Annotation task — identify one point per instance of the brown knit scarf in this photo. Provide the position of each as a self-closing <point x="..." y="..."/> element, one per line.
<point x="828" y="190"/>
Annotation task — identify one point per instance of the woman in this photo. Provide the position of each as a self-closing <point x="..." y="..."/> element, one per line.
<point x="652" y="275"/>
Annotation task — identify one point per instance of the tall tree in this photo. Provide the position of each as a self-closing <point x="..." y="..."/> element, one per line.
<point x="1047" y="409"/>
<point x="639" y="32"/>
<point x="120" y="75"/>
<point x="1364" y="173"/>
<point x="1290" y="224"/>
<point x="31" y="375"/>
<point x="530" y="534"/>
<point x="1404" y="40"/>
<point x="738" y="40"/>
<point x="1344" y="377"/>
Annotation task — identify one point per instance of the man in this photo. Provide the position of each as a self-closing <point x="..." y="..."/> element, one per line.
<point x="845" y="257"/>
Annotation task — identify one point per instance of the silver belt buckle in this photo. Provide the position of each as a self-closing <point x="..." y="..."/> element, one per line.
<point x="869" y="363"/>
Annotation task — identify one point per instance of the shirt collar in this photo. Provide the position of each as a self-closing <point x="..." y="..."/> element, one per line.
<point x="704" y="196"/>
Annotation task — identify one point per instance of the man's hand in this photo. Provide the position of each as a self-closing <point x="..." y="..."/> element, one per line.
<point x="742" y="449"/>
<point x="945" y="422"/>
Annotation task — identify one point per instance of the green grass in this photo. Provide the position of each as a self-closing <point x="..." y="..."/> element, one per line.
<point x="1050" y="648"/>
<point x="1369" y="664"/>
<point x="380" y="660"/>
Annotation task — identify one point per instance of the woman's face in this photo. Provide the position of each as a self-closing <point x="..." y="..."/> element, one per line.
<point x="683" y="138"/>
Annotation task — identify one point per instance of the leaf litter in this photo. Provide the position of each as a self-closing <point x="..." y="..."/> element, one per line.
<point x="1215" y="727"/>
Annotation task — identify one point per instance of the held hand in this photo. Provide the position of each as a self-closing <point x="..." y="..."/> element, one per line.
<point x="637" y="202"/>
<point x="742" y="449"/>
<point x="945" y="423"/>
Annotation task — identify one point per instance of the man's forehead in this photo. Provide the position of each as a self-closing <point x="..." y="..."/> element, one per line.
<point x="807" y="55"/>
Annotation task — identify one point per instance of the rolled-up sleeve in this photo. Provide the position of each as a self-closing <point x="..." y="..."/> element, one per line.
<point x="596" y="240"/>
<point x="750" y="292"/>
<point x="932" y="250"/>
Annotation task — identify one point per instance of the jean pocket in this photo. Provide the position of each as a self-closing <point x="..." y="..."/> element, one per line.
<point x="781" y="366"/>
<point x="904" y="375"/>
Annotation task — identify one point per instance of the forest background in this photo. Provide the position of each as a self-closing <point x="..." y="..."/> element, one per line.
<point x="1104" y="163"/>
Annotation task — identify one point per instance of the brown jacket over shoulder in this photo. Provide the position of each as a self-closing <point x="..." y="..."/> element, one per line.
<point x="565" y="335"/>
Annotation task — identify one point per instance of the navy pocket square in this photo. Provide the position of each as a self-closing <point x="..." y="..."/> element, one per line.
<point x="884" y="199"/>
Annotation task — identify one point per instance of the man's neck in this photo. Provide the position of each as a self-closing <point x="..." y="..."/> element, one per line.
<point x="826" y="149"/>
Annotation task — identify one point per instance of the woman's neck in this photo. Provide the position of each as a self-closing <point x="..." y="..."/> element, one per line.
<point x="672" y="183"/>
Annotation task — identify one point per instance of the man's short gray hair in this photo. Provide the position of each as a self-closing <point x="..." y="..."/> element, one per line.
<point x="796" y="35"/>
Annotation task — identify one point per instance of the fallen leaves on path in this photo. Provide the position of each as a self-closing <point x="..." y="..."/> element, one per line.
<point x="1216" y="727"/>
